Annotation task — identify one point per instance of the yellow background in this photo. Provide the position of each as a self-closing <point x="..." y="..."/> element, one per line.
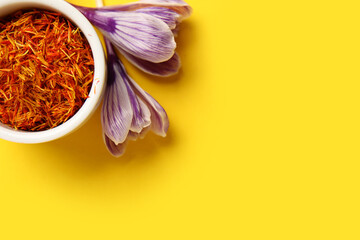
<point x="263" y="141"/>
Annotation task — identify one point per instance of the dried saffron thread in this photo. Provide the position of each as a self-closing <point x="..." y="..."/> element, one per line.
<point x="46" y="70"/>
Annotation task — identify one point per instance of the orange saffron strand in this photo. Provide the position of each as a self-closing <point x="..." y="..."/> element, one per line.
<point x="46" y="70"/>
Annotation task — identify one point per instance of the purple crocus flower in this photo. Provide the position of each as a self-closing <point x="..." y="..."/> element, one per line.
<point x="143" y="32"/>
<point x="128" y="111"/>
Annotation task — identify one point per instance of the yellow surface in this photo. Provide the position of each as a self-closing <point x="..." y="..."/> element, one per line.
<point x="263" y="143"/>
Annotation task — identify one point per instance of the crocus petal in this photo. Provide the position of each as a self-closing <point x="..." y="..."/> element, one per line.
<point x="164" y="14"/>
<point x="139" y="34"/>
<point x="142" y="117"/>
<point x="141" y="113"/>
<point x="117" y="114"/>
<point x="133" y="136"/>
<point x="116" y="150"/>
<point x="163" y="69"/>
<point x="181" y="7"/>
<point x="159" y="118"/>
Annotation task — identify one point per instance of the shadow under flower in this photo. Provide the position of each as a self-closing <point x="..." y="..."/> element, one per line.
<point x="83" y="152"/>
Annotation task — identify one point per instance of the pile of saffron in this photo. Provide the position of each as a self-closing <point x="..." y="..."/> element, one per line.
<point x="46" y="70"/>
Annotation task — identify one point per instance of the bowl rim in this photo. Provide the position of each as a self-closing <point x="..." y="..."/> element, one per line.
<point x="99" y="80"/>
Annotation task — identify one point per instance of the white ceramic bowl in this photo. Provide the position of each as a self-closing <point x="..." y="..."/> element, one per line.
<point x="97" y="89"/>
